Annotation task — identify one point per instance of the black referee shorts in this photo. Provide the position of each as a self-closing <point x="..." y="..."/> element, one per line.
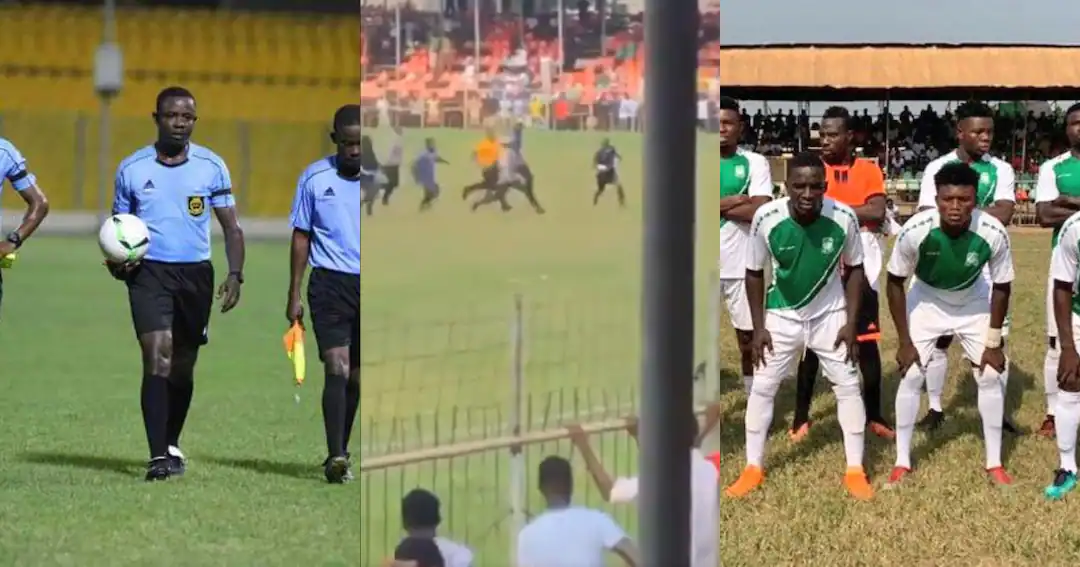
<point x="607" y="177"/>
<point x="490" y="176"/>
<point x="334" y="304"/>
<point x="393" y="177"/>
<point x="176" y="297"/>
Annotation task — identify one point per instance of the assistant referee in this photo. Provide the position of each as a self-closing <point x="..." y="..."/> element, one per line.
<point x="326" y="234"/>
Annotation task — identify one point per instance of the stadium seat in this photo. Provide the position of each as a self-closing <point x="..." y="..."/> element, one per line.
<point x="252" y="46"/>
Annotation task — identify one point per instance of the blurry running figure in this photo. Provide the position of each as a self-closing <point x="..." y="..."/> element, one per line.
<point x="370" y="176"/>
<point x="391" y="166"/>
<point x="506" y="178"/>
<point x="423" y="171"/>
<point x="486" y="154"/>
<point x="521" y="167"/>
<point x="606" y="161"/>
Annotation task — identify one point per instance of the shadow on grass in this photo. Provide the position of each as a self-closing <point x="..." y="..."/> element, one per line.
<point x="125" y="467"/>
<point x="304" y="471"/>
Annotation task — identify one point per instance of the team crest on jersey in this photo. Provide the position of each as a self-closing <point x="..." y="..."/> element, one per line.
<point x="828" y="245"/>
<point x="984" y="178"/>
<point x="740" y="171"/>
<point x="972" y="259"/>
<point x="196" y="206"/>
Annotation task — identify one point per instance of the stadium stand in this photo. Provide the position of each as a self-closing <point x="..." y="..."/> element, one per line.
<point x="266" y="83"/>
<point x="268" y="63"/>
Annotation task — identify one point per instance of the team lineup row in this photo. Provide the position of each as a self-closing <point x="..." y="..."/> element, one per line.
<point x="172" y="185"/>
<point x="825" y="246"/>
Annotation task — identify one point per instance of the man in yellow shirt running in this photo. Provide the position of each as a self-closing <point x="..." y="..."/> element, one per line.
<point x="486" y="154"/>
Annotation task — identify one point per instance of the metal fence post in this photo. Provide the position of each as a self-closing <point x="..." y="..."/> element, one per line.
<point x="517" y="398"/>
<point x="712" y="365"/>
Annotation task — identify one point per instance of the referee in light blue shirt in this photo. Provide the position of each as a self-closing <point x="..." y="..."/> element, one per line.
<point x="326" y="235"/>
<point x="172" y="185"/>
<point x="13" y="169"/>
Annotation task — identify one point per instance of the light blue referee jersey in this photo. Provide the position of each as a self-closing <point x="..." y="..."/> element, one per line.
<point x="13" y="168"/>
<point x="174" y="200"/>
<point x="327" y="206"/>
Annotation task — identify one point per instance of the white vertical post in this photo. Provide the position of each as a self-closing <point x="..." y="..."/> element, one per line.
<point x="517" y="403"/>
<point x="476" y="34"/>
<point x="562" y="36"/>
<point x="397" y="35"/>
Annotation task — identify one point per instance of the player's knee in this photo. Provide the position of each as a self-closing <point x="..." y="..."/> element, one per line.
<point x="183" y="363"/>
<point x="912" y="382"/>
<point x="157" y="351"/>
<point x="988" y="381"/>
<point x="847" y="390"/>
<point x="765" y="386"/>
<point x="336" y="362"/>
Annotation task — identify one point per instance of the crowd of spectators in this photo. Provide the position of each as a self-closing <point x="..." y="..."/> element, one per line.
<point x="906" y="142"/>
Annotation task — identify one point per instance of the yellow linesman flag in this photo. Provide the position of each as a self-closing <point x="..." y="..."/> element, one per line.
<point x="294" y="348"/>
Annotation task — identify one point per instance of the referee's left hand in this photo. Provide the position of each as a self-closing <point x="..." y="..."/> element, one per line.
<point x="229" y="293"/>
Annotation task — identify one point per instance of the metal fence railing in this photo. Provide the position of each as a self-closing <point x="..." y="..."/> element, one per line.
<point x="468" y="406"/>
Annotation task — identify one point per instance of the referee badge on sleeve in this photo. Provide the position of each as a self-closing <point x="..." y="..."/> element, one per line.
<point x="196" y="206"/>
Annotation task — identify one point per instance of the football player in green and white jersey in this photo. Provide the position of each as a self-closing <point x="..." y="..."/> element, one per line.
<point x="996" y="195"/>
<point x="1057" y="197"/>
<point x="804" y="237"/>
<point x="745" y="185"/>
<point x="947" y="251"/>
<point x="1065" y="274"/>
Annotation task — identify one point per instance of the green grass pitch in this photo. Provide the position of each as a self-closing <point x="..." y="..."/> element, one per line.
<point x="438" y="291"/>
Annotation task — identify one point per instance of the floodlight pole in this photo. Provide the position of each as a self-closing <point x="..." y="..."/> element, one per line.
<point x="108" y="80"/>
<point x="668" y="300"/>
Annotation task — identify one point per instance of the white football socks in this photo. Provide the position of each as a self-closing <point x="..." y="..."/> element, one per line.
<point x="992" y="410"/>
<point x="1050" y="382"/>
<point x="936" y="370"/>
<point x="851" y="412"/>
<point x="759" y="416"/>
<point x="1067" y="421"/>
<point x="907" y="410"/>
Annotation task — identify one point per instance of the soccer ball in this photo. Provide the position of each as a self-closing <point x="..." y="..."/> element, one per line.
<point x="124" y="239"/>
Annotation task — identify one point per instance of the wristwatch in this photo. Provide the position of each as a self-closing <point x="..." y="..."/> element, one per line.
<point x="14" y="238"/>
<point x="238" y="275"/>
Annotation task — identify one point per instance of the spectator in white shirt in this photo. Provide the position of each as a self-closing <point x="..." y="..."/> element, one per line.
<point x="421" y="518"/>
<point x="704" y="490"/>
<point x="570" y="536"/>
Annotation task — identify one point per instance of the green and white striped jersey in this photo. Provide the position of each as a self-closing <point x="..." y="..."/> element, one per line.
<point x="1058" y="176"/>
<point x="1066" y="258"/>
<point x="952" y="269"/>
<point x="805" y="259"/>
<point x="745" y="173"/>
<point x="997" y="180"/>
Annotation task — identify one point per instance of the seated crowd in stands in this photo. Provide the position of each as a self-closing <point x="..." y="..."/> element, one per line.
<point x="913" y="140"/>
